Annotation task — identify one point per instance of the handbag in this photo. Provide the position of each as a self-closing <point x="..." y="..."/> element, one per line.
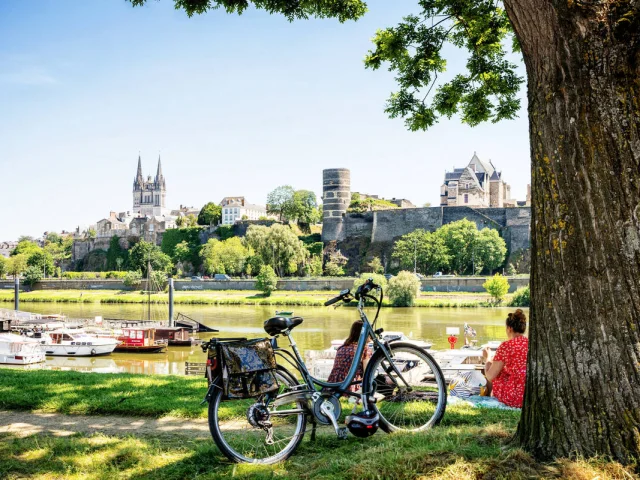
<point x="248" y="368"/>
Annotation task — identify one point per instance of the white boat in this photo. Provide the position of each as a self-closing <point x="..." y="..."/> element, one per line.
<point x="69" y="343"/>
<point x="16" y="350"/>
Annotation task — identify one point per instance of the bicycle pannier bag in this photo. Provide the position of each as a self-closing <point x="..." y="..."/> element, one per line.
<point x="248" y="368"/>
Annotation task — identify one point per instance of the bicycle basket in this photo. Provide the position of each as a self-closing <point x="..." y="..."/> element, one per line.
<point x="248" y="368"/>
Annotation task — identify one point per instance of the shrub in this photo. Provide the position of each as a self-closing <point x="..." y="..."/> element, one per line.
<point x="116" y="275"/>
<point x="333" y="269"/>
<point x="132" y="279"/>
<point x="497" y="286"/>
<point x="313" y="268"/>
<point x="158" y="281"/>
<point x="521" y="298"/>
<point x="32" y="275"/>
<point x="377" y="279"/>
<point x="266" y="280"/>
<point x="376" y="265"/>
<point x="403" y="289"/>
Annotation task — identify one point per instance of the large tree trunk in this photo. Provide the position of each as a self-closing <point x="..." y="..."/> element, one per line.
<point x="583" y="384"/>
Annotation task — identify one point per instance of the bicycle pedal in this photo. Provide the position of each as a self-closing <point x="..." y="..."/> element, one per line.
<point x="342" y="433"/>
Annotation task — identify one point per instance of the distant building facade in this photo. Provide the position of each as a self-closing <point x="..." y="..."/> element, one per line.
<point x="478" y="185"/>
<point x="6" y="248"/>
<point x="236" y="208"/>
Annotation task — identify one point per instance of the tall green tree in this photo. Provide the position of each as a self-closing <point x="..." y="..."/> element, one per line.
<point x="277" y="246"/>
<point x="16" y="264"/>
<point x="459" y="238"/>
<point x="143" y="253"/>
<point x="280" y="202"/>
<point x="490" y="250"/>
<point x="426" y="250"/>
<point x="305" y="207"/>
<point x="581" y="60"/>
<point x="59" y="247"/>
<point x="228" y="256"/>
<point x="41" y="260"/>
<point x="210" y="214"/>
<point x="3" y="266"/>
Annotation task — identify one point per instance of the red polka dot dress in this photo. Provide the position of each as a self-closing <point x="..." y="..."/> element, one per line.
<point x="508" y="387"/>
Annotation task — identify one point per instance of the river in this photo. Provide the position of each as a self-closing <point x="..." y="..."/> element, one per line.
<point x="321" y="325"/>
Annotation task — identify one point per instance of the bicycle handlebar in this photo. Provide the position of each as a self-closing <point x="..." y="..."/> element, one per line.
<point x="343" y="295"/>
<point x="332" y="301"/>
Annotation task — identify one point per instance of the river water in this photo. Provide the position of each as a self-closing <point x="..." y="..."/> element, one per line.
<point x="320" y="327"/>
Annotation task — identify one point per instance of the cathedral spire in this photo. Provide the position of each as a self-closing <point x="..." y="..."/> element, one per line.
<point x="159" y="172"/>
<point x="139" y="176"/>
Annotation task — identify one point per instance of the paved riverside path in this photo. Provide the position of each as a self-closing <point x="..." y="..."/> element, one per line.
<point x="23" y="424"/>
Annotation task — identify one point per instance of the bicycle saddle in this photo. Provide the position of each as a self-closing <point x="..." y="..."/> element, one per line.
<point x="277" y="325"/>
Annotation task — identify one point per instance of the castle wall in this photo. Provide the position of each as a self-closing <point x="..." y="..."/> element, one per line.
<point x="390" y="224"/>
<point x="375" y="232"/>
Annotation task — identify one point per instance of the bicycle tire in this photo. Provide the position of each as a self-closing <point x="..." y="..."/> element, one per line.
<point x="375" y="364"/>
<point x="222" y="442"/>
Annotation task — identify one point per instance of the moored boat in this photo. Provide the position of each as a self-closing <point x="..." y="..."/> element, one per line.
<point x="16" y="350"/>
<point x="176" y="336"/>
<point x="69" y="343"/>
<point x="140" y="340"/>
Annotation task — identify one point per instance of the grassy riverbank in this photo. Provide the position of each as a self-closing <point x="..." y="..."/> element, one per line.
<point x="234" y="297"/>
<point x="469" y="444"/>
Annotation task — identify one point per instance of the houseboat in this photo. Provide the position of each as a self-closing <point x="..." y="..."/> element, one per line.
<point x="16" y="350"/>
<point x="141" y="340"/>
<point x="70" y="343"/>
<point x="176" y="336"/>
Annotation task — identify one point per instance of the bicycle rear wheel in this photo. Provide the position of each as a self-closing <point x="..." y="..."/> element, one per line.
<point x="237" y="426"/>
<point x="416" y="407"/>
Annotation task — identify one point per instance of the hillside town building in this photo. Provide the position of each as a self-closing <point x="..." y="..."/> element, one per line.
<point x="236" y="208"/>
<point x="477" y="185"/>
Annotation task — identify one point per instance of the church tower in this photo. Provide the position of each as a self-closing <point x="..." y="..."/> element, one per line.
<point x="149" y="196"/>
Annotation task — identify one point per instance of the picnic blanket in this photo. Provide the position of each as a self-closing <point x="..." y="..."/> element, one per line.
<point x="479" y="402"/>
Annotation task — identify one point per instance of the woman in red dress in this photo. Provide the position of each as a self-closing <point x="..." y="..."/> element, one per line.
<point x="345" y="355"/>
<point x="508" y="369"/>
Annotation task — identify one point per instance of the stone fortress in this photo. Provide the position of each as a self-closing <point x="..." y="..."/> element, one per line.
<point x="360" y="236"/>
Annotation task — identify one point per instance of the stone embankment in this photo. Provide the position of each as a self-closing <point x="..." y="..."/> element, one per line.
<point x="457" y="284"/>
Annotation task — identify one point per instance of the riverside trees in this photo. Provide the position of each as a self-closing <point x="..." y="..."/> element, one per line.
<point x="458" y="247"/>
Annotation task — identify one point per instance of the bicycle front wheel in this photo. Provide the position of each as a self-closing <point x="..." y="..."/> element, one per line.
<point x="413" y="396"/>
<point x="248" y="431"/>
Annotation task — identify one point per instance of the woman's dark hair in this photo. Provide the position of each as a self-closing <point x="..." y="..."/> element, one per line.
<point x="354" y="334"/>
<point x="517" y="321"/>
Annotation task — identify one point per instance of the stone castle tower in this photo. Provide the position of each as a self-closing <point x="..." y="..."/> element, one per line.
<point x="149" y="195"/>
<point x="336" y="197"/>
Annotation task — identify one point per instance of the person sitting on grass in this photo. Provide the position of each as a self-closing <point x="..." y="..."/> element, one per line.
<point x="507" y="371"/>
<point x="344" y="358"/>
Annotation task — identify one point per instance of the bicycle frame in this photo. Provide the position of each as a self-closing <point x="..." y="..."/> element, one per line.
<point x="341" y="388"/>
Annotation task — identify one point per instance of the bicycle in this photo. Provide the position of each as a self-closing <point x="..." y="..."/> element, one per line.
<point x="269" y="428"/>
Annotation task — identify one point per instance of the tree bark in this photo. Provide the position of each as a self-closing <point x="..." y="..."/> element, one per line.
<point x="583" y="383"/>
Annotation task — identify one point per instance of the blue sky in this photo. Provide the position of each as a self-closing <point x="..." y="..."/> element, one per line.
<point x="236" y="106"/>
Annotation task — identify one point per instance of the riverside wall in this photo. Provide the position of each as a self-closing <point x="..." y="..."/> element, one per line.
<point x="458" y="284"/>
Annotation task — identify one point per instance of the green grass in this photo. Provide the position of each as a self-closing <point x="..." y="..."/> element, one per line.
<point x="469" y="443"/>
<point x="95" y="393"/>
<point x="233" y="297"/>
